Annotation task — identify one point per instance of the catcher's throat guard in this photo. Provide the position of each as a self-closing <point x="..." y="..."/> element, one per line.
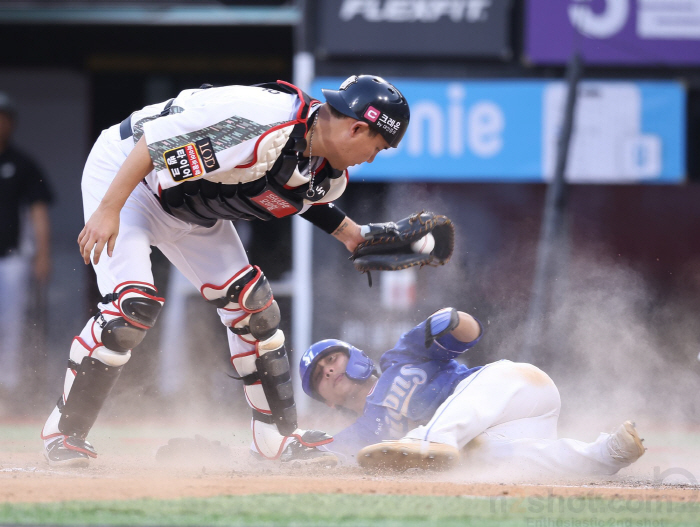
<point x="391" y="251"/>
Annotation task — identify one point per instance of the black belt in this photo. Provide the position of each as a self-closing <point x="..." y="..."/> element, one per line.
<point x="125" y="130"/>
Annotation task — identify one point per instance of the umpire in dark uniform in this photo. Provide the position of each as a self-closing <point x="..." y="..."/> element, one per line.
<point x="22" y="186"/>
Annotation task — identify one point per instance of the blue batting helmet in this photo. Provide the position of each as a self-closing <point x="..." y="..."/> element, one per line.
<point x="359" y="368"/>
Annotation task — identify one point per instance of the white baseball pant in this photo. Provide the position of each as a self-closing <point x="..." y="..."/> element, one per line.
<point x="505" y="416"/>
<point x="203" y="255"/>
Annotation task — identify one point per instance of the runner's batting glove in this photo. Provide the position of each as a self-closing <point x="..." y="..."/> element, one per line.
<point x="440" y="323"/>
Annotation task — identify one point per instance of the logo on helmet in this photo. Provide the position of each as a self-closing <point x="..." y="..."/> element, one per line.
<point x="372" y="114"/>
<point x="390" y="125"/>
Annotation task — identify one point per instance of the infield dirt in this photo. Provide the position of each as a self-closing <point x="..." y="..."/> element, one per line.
<point x="25" y="477"/>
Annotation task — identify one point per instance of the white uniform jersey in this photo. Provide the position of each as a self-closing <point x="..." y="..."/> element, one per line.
<point x="230" y="135"/>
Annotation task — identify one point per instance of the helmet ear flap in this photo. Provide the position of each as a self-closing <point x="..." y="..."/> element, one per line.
<point x="360" y="366"/>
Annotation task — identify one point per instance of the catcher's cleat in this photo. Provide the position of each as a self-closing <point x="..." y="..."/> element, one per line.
<point x="302" y="450"/>
<point x="68" y="451"/>
<point x="408" y="453"/>
<point x="299" y="454"/>
<point x="624" y="444"/>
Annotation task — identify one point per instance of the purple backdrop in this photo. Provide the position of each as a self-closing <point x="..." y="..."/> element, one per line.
<point x="613" y="31"/>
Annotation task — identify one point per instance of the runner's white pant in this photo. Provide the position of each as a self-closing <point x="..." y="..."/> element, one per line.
<point x="505" y="416"/>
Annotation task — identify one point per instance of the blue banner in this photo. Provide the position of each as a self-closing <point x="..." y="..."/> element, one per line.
<point x="625" y="132"/>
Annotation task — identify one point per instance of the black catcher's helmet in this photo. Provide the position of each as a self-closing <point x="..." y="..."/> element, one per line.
<point x="373" y="100"/>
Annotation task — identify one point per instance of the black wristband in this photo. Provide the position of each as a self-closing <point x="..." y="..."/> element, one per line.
<point x="327" y="216"/>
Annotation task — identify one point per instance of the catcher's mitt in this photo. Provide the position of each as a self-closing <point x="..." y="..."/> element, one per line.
<point x="390" y="250"/>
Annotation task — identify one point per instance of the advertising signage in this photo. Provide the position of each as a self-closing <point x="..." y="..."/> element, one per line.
<point x="621" y="32"/>
<point x="414" y="28"/>
<point x="625" y="132"/>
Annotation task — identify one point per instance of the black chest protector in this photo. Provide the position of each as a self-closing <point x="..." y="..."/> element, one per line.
<point x="204" y="202"/>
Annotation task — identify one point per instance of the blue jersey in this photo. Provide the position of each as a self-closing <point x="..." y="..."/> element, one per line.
<point x="415" y="381"/>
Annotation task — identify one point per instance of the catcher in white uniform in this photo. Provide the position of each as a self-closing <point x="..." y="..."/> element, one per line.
<point x="426" y="410"/>
<point x="172" y="175"/>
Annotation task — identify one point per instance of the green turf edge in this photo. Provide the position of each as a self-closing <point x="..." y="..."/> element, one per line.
<point x="311" y="510"/>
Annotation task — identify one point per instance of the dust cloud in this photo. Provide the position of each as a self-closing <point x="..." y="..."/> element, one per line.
<point x="618" y="345"/>
<point x="618" y="350"/>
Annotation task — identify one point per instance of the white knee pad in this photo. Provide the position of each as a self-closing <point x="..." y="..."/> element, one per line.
<point x="247" y="294"/>
<point x="248" y="290"/>
<point x="80" y="349"/>
<point x="111" y="358"/>
<point x="275" y="342"/>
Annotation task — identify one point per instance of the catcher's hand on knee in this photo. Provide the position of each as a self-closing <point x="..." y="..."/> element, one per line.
<point x="101" y="229"/>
